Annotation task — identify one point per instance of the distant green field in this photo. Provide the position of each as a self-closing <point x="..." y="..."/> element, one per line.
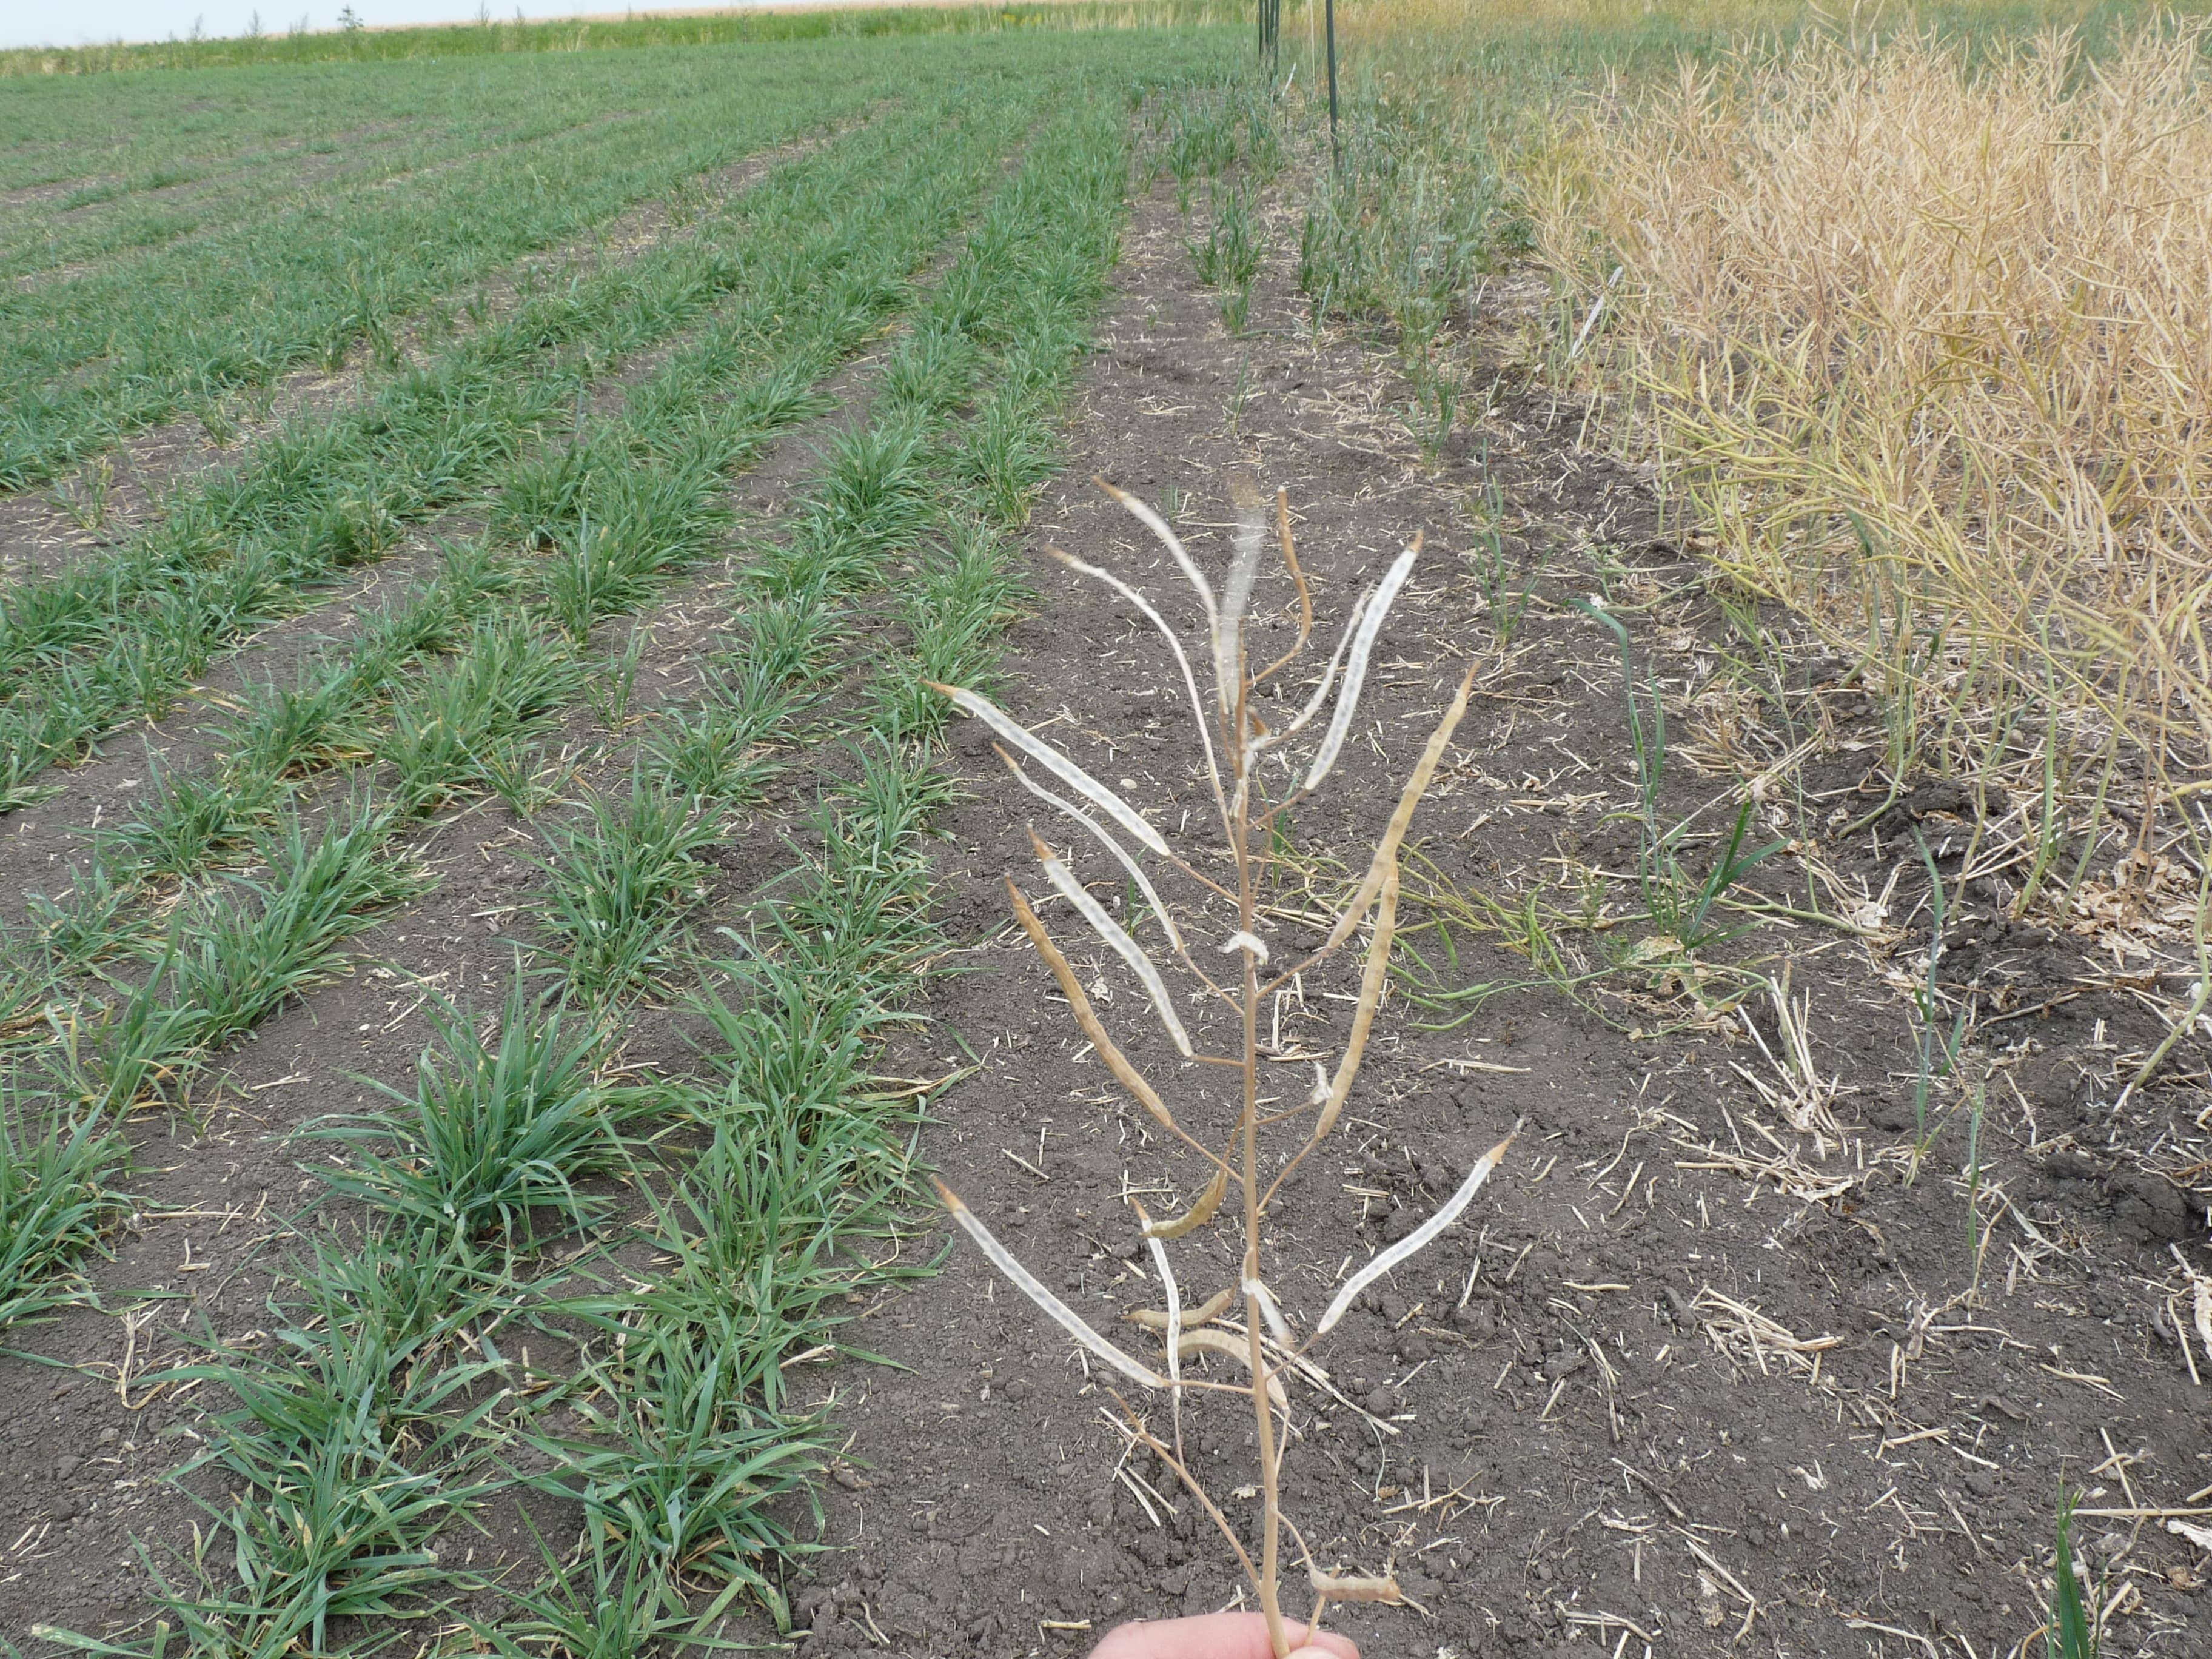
<point x="576" y="34"/>
<point x="173" y="236"/>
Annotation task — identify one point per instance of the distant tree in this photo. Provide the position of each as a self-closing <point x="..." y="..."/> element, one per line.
<point x="348" y="19"/>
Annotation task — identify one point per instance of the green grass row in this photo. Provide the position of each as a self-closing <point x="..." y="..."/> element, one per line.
<point x="91" y="177"/>
<point x="119" y="637"/>
<point x="687" y="1439"/>
<point x="623" y="507"/>
<point x="228" y="953"/>
<point x="138" y="340"/>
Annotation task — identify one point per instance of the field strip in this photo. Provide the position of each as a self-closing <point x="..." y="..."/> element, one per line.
<point x="729" y="426"/>
<point x="1063" y="263"/>
<point x="844" y="929"/>
<point x="430" y="449"/>
<point x="296" y="298"/>
<point x="117" y="495"/>
<point x="362" y="697"/>
<point x="635" y="503"/>
<point x="64" y="262"/>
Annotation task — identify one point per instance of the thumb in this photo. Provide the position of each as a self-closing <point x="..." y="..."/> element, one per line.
<point x="1320" y="1645"/>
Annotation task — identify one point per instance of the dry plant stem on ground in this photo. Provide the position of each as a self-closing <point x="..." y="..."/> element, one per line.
<point x="1234" y="737"/>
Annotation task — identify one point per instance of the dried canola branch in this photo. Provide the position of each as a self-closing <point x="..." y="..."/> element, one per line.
<point x="1233" y="726"/>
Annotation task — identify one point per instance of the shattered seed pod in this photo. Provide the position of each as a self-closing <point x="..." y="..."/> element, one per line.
<point x="1252" y="942"/>
<point x="1198" y="1214"/>
<point x="1343" y="1586"/>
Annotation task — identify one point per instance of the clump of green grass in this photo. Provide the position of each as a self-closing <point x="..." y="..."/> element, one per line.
<point x="721" y="751"/>
<point x="635" y="528"/>
<point x="510" y="677"/>
<point x="246" y="948"/>
<point x="57" y="1164"/>
<point x="857" y="913"/>
<point x="935" y="368"/>
<point x="679" y="1476"/>
<point x="499" y="1128"/>
<point x="1005" y="458"/>
<point x="139" y="1047"/>
<point x="873" y="500"/>
<point x="1680" y="904"/>
<point x="191" y="819"/>
<point x="344" y="1453"/>
<point x="1228" y="257"/>
<point x="965" y="595"/>
<point x="92" y="918"/>
<point x="618" y="881"/>
<point x="1206" y="130"/>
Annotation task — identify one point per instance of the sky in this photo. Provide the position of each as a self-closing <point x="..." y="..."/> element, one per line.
<point x="78" y="22"/>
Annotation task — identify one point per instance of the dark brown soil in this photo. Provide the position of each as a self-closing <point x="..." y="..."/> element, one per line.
<point x="1693" y="1375"/>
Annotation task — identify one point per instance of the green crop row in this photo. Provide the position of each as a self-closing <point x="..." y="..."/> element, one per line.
<point x="92" y="177"/>
<point x="119" y="636"/>
<point x="90" y="360"/>
<point x="627" y="503"/>
<point x="352" y="1447"/>
<point x="772" y="1228"/>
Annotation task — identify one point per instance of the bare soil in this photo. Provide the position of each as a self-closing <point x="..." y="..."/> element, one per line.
<point x="1696" y="1374"/>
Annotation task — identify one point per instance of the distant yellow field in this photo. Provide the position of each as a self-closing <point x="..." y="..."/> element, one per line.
<point x="1927" y="342"/>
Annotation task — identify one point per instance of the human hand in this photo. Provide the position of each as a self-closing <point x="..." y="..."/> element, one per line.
<point x="1216" y="1635"/>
